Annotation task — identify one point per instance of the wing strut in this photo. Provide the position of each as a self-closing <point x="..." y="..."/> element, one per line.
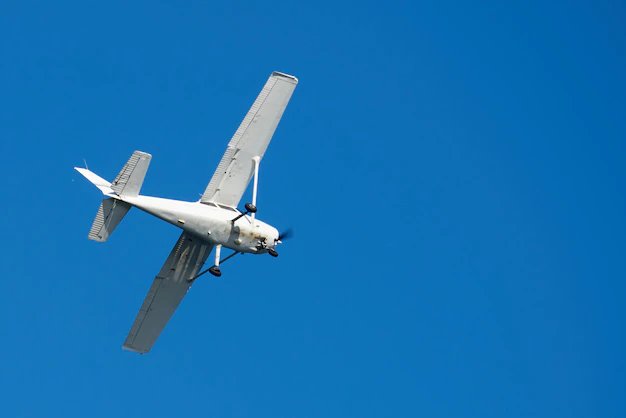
<point x="251" y="207"/>
<point x="257" y="161"/>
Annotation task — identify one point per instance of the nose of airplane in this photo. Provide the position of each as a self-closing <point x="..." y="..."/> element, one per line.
<point x="274" y="237"/>
<point x="288" y="233"/>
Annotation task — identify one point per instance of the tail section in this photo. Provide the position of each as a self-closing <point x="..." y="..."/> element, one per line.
<point x="127" y="183"/>
<point x="96" y="180"/>
<point x="110" y="214"/>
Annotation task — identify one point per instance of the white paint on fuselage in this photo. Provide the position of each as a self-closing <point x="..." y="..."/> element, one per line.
<point x="210" y="223"/>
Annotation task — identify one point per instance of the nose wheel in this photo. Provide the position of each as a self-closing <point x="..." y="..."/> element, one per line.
<point x="272" y="252"/>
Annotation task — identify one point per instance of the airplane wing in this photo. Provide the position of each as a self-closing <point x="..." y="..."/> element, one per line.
<point x="236" y="168"/>
<point x="167" y="291"/>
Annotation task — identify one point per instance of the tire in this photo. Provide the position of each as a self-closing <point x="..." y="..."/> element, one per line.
<point x="250" y="207"/>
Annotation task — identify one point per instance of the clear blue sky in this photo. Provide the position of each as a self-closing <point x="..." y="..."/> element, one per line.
<point x="454" y="174"/>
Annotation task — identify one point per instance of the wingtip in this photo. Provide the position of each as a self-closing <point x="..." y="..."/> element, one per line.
<point x="143" y="154"/>
<point x="134" y="349"/>
<point x="279" y="74"/>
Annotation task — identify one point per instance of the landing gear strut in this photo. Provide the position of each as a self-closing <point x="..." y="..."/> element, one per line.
<point x="250" y="208"/>
<point x="215" y="270"/>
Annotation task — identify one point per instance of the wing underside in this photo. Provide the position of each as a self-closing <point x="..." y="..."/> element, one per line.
<point x="233" y="174"/>
<point x="167" y="291"/>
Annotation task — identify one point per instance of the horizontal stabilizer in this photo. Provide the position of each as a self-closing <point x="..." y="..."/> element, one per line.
<point x="128" y="182"/>
<point x="110" y="214"/>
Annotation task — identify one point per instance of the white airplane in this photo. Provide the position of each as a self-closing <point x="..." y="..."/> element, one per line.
<point x="212" y="222"/>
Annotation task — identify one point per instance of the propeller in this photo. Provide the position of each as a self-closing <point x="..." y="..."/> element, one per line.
<point x="288" y="233"/>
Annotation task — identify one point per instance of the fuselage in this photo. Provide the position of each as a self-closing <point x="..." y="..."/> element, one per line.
<point x="211" y="222"/>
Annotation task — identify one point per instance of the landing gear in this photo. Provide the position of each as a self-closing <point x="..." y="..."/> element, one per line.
<point x="272" y="252"/>
<point x="250" y="208"/>
<point x="215" y="269"/>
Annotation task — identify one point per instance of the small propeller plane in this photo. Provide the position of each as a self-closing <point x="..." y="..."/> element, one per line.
<point x="213" y="222"/>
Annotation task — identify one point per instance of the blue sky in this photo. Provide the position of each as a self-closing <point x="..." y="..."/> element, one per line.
<point x="454" y="173"/>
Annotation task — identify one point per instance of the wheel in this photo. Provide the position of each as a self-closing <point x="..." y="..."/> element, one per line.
<point x="272" y="252"/>
<point x="250" y="207"/>
<point x="215" y="271"/>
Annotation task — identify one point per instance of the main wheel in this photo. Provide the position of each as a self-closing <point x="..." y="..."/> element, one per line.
<point x="215" y="271"/>
<point x="250" y="207"/>
<point x="273" y="252"/>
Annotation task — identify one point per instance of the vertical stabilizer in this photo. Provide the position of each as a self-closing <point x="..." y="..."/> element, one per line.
<point x="127" y="183"/>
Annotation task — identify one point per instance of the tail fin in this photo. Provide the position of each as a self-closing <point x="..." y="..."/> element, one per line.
<point x="96" y="180"/>
<point x="110" y="214"/>
<point x="128" y="182"/>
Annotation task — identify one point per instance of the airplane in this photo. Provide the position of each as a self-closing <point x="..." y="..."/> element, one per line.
<point x="213" y="222"/>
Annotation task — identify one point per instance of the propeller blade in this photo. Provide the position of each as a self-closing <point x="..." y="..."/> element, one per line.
<point x="286" y="234"/>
